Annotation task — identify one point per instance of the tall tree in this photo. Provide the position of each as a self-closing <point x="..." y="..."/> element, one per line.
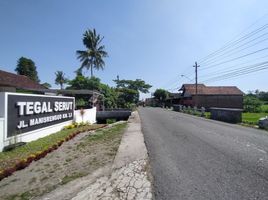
<point x="160" y="94"/>
<point x="93" y="56"/>
<point x="130" y="89"/>
<point x="26" y="67"/>
<point x="60" y="79"/>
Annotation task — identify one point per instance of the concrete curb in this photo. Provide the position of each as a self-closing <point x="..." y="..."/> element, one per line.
<point x="129" y="178"/>
<point x="132" y="146"/>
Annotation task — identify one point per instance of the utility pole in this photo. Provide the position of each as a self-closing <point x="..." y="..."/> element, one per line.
<point x="196" y="98"/>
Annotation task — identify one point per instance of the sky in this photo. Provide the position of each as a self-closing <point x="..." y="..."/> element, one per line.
<point x="154" y="40"/>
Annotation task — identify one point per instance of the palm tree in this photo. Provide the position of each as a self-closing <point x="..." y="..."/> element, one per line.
<point x="60" y="79"/>
<point x="93" y="56"/>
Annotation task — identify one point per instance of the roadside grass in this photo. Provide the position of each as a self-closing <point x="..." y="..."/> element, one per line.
<point x="252" y="118"/>
<point x="103" y="135"/>
<point x="93" y="151"/>
<point x="72" y="177"/>
<point x="9" y="158"/>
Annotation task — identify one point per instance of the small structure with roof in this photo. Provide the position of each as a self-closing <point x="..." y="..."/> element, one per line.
<point x="10" y="82"/>
<point x="211" y="96"/>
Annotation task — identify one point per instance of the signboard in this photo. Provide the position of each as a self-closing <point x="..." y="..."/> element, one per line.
<point x="31" y="112"/>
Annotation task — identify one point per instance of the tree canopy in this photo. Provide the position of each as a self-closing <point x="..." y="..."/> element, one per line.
<point x="60" y="79"/>
<point x="93" y="56"/>
<point x="129" y="91"/>
<point x="82" y="82"/>
<point x="251" y="104"/>
<point x="160" y="94"/>
<point x="26" y="67"/>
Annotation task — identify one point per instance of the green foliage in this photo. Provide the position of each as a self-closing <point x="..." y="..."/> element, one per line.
<point x="109" y="97"/>
<point x="80" y="102"/>
<point x="81" y="82"/>
<point x="264" y="108"/>
<point x="46" y="85"/>
<point x="93" y="56"/>
<point x="251" y="104"/>
<point x="60" y="79"/>
<point x="126" y="95"/>
<point x="160" y="94"/>
<point x="138" y="85"/>
<point x="128" y="91"/>
<point x="110" y="121"/>
<point x="27" y="68"/>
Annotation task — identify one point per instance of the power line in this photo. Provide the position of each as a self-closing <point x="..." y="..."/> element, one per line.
<point x="245" y="55"/>
<point x="232" y="51"/>
<point x="233" y="66"/>
<point x="241" y="68"/>
<point x="234" y="76"/>
<point x="239" y="72"/>
<point x="232" y="43"/>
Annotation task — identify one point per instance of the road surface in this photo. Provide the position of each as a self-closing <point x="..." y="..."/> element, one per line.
<point x="196" y="158"/>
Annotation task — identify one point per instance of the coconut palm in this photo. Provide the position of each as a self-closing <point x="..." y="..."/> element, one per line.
<point x="60" y="79"/>
<point x="93" y="56"/>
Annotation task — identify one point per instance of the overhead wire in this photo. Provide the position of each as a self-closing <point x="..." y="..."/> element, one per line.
<point x="234" y="76"/>
<point x="232" y="66"/>
<point x="232" y="43"/>
<point x="240" y="71"/>
<point x="236" y="58"/>
<point x="232" y="51"/>
<point x="234" y="46"/>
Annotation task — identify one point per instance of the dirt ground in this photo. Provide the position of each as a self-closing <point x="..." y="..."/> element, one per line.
<point x="76" y="158"/>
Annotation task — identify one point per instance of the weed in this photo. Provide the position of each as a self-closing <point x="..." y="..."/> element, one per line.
<point x="67" y="179"/>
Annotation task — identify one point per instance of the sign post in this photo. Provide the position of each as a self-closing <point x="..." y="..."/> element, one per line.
<point x="38" y="115"/>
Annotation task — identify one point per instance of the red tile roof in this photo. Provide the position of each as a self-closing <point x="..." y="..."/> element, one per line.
<point x="211" y="90"/>
<point x="18" y="81"/>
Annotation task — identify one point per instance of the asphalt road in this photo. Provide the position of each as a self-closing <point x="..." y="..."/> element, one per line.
<point x="196" y="158"/>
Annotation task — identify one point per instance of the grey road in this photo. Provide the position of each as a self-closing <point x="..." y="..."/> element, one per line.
<point x="195" y="158"/>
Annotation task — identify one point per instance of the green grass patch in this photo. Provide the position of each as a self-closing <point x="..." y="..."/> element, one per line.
<point x="9" y="158"/>
<point x="23" y="196"/>
<point x="104" y="135"/>
<point x="207" y="115"/>
<point x="70" y="178"/>
<point x="252" y="118"/>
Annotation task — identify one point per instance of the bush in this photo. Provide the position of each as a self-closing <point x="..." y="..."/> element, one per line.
<point x="252" y="104"/>
<point x="110" y="121"/>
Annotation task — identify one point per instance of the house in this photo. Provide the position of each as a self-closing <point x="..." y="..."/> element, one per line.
<point x="211" y="96"/>
<point x="10" y="82"/>
<point x="173" y="98"/>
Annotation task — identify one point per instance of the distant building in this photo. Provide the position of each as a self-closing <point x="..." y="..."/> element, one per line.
<point x="173" y="98"/>
<point x="211" y="96"/>
<point x="150" y="102"/>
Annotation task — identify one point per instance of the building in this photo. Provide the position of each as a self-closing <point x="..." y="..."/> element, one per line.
<point x="211" y="96"/>
<point x="173" y="99"/>
<point x="10" y="82"/>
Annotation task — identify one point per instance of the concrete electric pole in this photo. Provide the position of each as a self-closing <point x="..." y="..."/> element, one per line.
<point x="196" y="98"/>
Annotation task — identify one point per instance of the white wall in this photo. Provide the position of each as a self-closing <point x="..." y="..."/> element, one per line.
<point x="2" y="104"/>
<point x="2" y="128"/>
<point x="24" y="137"/>
<point x="89" y="115"/>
